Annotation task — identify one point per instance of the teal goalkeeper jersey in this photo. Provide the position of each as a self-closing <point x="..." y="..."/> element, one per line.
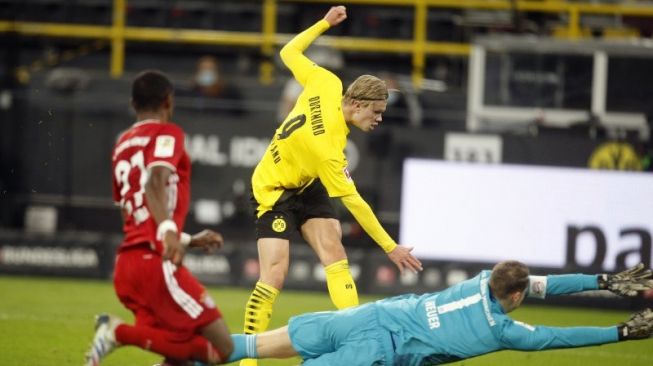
<point x="464" y="321"/>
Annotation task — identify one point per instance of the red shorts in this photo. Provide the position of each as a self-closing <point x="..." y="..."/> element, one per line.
<point x="160" y="294"/>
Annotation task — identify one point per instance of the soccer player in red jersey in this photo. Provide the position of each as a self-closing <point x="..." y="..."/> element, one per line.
<point x="174" y="315"/>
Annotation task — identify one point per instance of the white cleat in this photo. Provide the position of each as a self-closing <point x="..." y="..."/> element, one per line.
<point x="104" y="340"/>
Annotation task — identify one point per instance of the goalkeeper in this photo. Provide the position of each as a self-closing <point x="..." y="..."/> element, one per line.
<point x="466" y="320"/>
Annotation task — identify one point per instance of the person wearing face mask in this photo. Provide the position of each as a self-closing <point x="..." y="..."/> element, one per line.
<point x="303" y="167"/>
<point x="212" y="90"/>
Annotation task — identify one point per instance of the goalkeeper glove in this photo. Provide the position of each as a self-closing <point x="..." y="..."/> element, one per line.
<point x="639" y="326"/>
<point x="628" y="282"/>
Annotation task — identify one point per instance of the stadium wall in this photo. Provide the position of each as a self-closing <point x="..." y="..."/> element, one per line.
<point x="87" y="255"/>
<point x="60" y="146"/>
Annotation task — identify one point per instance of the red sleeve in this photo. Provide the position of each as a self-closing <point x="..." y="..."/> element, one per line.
<point x="166" y="147"/>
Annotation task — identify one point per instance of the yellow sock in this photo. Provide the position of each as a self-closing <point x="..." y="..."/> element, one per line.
<point x="342" y="288"/>
<point x="258" y="312"/>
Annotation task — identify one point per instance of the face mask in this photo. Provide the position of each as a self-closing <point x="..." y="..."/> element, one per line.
<point x="206" y="78"/>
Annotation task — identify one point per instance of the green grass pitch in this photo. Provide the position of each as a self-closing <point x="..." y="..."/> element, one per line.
<point x="49" y="322"/>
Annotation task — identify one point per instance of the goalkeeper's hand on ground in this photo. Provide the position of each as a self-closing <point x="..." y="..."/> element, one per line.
<point x="628" y="282"/>
<point x="639" y="326"/>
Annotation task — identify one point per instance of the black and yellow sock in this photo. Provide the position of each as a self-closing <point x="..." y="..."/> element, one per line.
<point x="258" y="312"/>
<point x="342" y="288"/>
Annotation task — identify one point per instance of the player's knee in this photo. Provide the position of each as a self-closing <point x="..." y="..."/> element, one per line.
<point x="333" y="253"/>
<point x="275" y="276"/>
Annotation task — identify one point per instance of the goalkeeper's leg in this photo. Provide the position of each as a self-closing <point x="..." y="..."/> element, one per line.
<point x="273" y="258"/>
<point x="325" y="237"/>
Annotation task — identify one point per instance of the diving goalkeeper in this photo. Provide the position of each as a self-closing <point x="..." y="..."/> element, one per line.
<point x="466" y="320"/>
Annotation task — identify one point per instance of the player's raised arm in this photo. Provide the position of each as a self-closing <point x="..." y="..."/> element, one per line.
<point x="398" y="254"/>
<point x="292" y="54"/>
<point x="336" y="15"/>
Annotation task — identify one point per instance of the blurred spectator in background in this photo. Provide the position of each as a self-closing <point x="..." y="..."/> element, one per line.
<point x="327" y="57"/>
<point x="212" y="90"/>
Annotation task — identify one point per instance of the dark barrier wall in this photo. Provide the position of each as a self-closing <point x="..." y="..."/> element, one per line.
<point x="65" y="142"/>
<point x="76" y="254"/>
<point x="85" y="255"/>
<point x="61" y="146"/>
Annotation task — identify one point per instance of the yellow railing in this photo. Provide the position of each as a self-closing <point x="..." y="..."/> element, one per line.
<point x="419" y="47"/>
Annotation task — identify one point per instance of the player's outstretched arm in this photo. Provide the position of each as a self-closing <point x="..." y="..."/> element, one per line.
<point x="551" y="285"/>
<point x="525" y="337"/>
<point x="520" y="336"/>
<point x="639" y="326"/>
<point x="629" y="282"/>
<point x="398" y="254"/>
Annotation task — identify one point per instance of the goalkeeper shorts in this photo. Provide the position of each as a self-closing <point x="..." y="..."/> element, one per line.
<point x="351" y="337"/>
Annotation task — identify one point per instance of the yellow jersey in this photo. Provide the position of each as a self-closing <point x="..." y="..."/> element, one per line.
<point x="310" y="142"/>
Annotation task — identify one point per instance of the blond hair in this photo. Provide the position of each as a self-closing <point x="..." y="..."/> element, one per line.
<point x="366" y="88"/>
<point x="507" y="278"/>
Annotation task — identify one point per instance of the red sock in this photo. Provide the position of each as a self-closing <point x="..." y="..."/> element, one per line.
<point x="168" y="344"/>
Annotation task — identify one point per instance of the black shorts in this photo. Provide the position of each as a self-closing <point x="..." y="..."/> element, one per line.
<point x="292" y="210"/>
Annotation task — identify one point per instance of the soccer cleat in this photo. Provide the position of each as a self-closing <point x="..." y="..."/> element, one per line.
<point x="249" y="362"/>
<point x="104" y="340"/>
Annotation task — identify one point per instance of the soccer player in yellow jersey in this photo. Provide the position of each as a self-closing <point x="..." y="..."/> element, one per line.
<point x="304" y="166"/>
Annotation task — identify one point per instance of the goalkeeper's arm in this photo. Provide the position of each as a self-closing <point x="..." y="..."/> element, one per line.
<point x="626" y="283"/>
<point x="521" y="336"/>
<point x="639" y="326"/>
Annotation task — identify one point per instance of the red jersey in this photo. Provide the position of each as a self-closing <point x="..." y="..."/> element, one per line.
<point x="144" y="145"/>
